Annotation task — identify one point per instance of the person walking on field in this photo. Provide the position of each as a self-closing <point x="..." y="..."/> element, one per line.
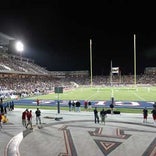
<point x="85" y="105"/>
<point x="24" y="117"/>
<point x="145" y="114"/>
<point x="96" y="117"/>
<point x="154" y="115"/>
<point x="111" y="107"/>
<point x="38" y="102"/>
<point x="78" y="106"/>
<point x="29" y="119"/>
<point x="73" y="105"/>
<point x="70" y="105"/>
<point x="0" y="121"/>
<point x="89" y="106"/>
<point x="103" y="115"/>
<point x="38" y="116"/>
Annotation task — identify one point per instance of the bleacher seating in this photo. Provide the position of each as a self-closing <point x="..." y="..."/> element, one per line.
<point x="18" y="64"/>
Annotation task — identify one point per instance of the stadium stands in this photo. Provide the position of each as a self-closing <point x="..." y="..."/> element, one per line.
<point x="16" y="64"/>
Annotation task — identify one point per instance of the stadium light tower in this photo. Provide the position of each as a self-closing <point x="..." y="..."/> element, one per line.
<point x="19" y="47"/>
<point x="9" y="43"/>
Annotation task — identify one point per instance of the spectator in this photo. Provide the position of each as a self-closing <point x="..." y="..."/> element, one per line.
<point x="85" y="105"/>
<point x="1" y="105"/>
<point x="154" y="115"/>
<point x="38" y="102"/>
<point x="73" y="105"/>
<point x="96" y="117"/>
<point x="70" y="105"/>
<point x="111" y="107"/>
<point x="4" y="118"/>
<point x="5" y="108"/>
<point x="0" y="121"/>
<point x="78" y="106"/>
<point x="145" y="114"/>
<point x="11" y="105"/>
<point x="29" y="119"/>
<point x="38" y="116"/>
<point x="103" y="116"/>
<point x="24" y="116"/>
<point x="89" y="106"/>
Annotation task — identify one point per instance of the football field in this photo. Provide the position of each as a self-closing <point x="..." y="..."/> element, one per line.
<point x="105" y="93"/>
<point x="124" y="97"/>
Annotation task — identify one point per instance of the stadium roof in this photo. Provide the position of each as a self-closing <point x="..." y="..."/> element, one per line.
<point x="4" y="39"/>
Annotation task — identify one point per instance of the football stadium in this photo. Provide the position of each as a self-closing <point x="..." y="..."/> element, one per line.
<point x="24" y="81"/>
<point x="77" y="78"/>
<point x="66" y="130"/>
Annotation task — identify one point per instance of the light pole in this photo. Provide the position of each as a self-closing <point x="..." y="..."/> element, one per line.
<point x="19" y="47"/>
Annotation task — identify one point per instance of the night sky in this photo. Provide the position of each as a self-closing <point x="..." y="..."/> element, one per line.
<point x="56" y="33"/>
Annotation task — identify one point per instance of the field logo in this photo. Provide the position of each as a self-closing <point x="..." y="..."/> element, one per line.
<point x="99" y="103"/>
<point x="120" y="103"/>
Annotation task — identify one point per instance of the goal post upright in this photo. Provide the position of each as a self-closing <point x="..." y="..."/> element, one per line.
<point x="135" y="60"/>
<point x="91" y="71"/>
<point x="111" y="73"/>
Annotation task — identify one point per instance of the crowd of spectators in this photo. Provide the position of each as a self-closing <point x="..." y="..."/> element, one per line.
<point x="43" y="85"/>
<point x="11" y="63"/>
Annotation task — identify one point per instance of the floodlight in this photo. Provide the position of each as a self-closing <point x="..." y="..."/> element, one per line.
<point x="19" y="46"/>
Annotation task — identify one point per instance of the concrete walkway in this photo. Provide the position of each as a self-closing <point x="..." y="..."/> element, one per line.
<point x="77" y="135"/>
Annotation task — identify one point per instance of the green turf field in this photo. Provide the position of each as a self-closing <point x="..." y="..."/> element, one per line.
<point x="105" y="93"/>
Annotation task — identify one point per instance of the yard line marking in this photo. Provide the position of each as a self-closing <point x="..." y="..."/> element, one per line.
<point x="92" y="95"/>
<point x="141" y="98"/>
<point x="112" y="92"/>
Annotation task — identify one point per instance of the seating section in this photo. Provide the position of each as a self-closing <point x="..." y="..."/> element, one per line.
<point x="19" y="64"/>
